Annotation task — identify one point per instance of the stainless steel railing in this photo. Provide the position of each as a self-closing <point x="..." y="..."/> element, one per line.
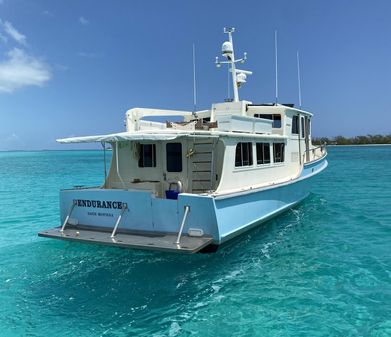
<point x="314" y="153"/>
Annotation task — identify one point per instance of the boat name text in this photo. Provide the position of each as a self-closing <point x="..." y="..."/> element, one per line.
<point x="98" y="203"/>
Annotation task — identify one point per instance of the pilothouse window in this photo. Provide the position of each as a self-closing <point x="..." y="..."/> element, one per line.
<point x="147" y="156"/>
<point x="278" y="150"/>
<point x="174" y="157"/>
<point x="276" y="118"/>
<point x="295" y="125"/>
<point x="244" y="154"/>
<point x="263" y="153"/>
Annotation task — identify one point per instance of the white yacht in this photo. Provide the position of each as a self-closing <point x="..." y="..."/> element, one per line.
<point x="191" y="185"/>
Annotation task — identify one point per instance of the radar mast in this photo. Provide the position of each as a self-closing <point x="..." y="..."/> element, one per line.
<point x="238" y="75"/>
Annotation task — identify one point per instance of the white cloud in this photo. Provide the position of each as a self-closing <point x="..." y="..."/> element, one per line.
<point x="20" y="70"/>
<point x="3" y="37"/>
<point x="11" y="31"/>
<point x="12" y="138"/>
<point x="61" y="67"/>
<point x="11" y="142"/>
<point x="47" y="13"/>
<point x="88" y="55"/>
<point x="83" y="21"/>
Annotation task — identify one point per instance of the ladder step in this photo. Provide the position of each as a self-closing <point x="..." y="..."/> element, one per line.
<point x="202" y="175"/>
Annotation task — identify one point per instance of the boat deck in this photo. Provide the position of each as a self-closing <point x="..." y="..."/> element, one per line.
<point x="149" y="241"/>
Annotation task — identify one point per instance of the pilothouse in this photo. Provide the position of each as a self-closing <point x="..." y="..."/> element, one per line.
<point x="192" y="185"/>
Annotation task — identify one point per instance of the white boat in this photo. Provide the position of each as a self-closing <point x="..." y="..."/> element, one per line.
<point x="192" y="185"/>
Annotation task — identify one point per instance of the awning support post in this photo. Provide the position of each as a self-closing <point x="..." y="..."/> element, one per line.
<point x="117" y="163"/>
<point x="104" y="161"/>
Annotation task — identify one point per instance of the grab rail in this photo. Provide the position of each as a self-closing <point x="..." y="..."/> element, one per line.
<point x="123" y="208"/>
<point x="178" y="239"/>
<point x="68" y="216"/>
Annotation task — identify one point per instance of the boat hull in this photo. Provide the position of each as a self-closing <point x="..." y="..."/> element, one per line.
<point x="218" y="218"/>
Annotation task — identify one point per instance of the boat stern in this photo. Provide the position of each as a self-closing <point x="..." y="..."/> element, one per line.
<point x="136" y="219"/>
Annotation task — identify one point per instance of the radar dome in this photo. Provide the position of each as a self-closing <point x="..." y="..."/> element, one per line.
<point x="226" y="49"/>
<point x="241" y="79"/>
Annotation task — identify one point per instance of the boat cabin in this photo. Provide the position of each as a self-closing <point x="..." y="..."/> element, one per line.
<point x="235" y="145"/>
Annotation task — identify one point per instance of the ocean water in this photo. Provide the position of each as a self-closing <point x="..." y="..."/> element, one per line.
<point x="320" y="269"/>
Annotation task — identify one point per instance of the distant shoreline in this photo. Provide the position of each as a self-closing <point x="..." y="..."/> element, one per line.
<point x="46" y="150"/>
<point x="358" y="145"/>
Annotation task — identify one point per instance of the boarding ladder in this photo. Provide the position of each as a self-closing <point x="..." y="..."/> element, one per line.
<point x="202" y="164"/>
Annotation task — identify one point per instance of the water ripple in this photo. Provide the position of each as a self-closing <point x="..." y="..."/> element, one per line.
<point x="321" y="269"/>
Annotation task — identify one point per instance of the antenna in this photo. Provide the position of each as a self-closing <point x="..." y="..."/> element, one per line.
<point x="276" y="61"/>
<point x="298" y="77"/>
<point x="194" y="81"/>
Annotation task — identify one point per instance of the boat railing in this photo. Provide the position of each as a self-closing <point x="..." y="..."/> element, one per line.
<point x="123" y="209"/>
<point x="68" y="216"/>
<point x="314" y="153"/>
<point x="186" y="212"/>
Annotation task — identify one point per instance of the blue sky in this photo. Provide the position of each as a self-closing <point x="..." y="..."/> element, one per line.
<point x="74" y="67"/>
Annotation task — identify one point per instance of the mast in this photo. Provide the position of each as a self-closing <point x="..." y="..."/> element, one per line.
<point x="238" y="75"/>
<point x="231" y="59"/>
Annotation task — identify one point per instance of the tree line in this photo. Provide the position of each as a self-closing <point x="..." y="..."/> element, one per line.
<point x="358" y="140"/>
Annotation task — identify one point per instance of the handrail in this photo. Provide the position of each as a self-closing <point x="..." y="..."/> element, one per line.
<point x="68" y="216"/>
<point x="123" y="208"/>
<point x="178" y="239"/>
<point x="321" y="147"/>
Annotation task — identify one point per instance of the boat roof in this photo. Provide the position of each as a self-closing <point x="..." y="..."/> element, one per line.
<point x="163" y="135"/>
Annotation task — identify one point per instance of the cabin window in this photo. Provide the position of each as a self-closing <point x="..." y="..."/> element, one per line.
<point x="244" y="154"/>
<point x="147" y="155"/>
<point x="276" y="118"/>
<point x="295" y="125"/>
<point x="278" y="150"/>
<point x="174" y="157"/>
<point x="302" y="127"/>
<point x="308" y="126"/>
<point x="263" y="153"/>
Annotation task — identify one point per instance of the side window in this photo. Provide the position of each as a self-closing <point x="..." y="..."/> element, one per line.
<point x="244" y="154"/>
<point x="308" y="126"/>
<point x="174" y="157"/>
<point x="302" y="127"/>
<point x="276" y="121"/>
<point x="278" y="150"/>
<point x="295" y="125"/>
<point x="276" y="118"/>
<point x="263" y="153"/>
<point x="147" y="155"/>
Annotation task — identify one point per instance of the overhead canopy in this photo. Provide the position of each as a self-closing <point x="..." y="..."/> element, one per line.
<point x="119" y="137"/>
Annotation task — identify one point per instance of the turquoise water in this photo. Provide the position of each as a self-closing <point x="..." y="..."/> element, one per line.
<point x="321" y="269"/>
